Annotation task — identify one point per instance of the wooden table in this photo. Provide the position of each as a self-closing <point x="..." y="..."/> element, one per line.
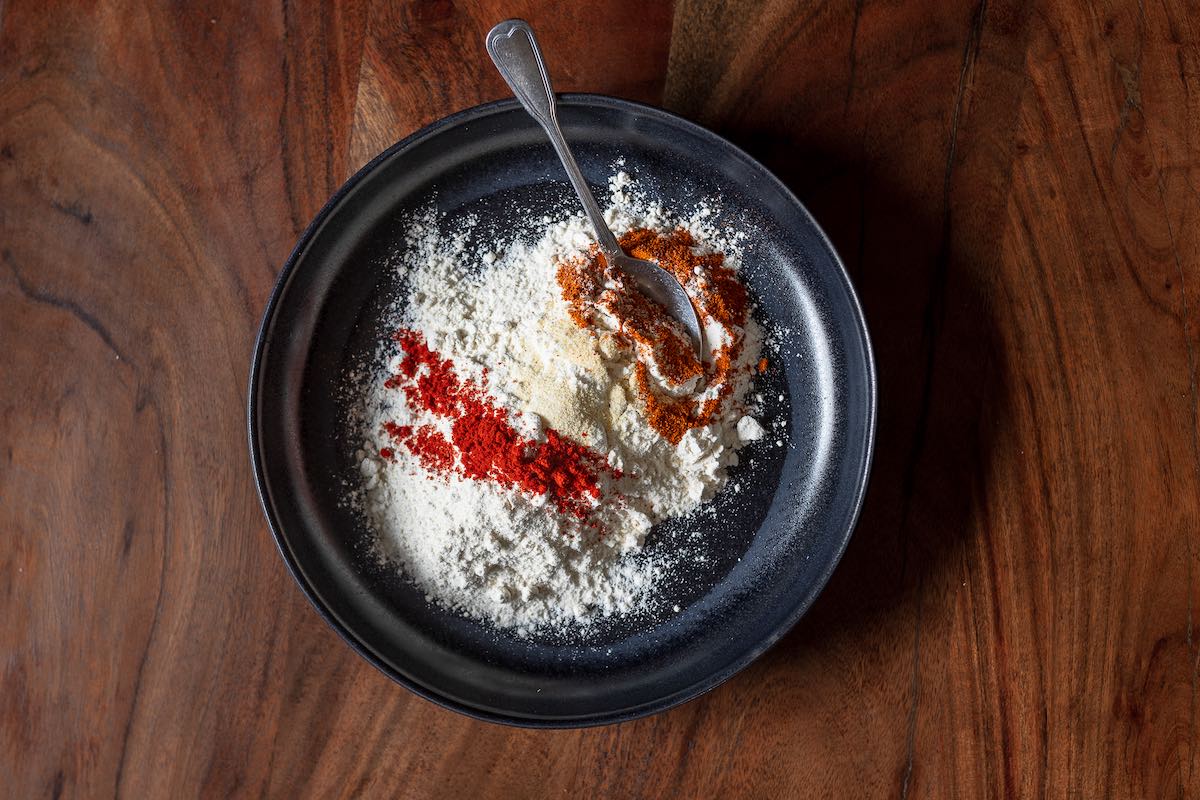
<point x="1014" y="188"/>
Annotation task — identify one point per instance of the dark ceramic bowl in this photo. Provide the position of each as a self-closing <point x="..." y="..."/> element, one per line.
<point x="770" y="549"/>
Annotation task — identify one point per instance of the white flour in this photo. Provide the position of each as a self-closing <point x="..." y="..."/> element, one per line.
<point x="495" y="552"/>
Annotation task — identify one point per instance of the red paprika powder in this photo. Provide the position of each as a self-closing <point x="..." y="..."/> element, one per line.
<point x="483" y="444"/>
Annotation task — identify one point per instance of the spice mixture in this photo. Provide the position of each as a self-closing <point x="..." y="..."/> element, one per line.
<point x="536" y="415"/>
<point x="599" y="299"/>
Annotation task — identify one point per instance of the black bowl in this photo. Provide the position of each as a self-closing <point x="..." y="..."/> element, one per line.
<point x="769" y="549"/>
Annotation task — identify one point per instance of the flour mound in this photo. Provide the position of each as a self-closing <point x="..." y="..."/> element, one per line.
<point x="502" y="555"/>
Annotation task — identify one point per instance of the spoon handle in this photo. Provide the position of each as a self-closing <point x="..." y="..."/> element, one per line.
<point x="515" y="51"/>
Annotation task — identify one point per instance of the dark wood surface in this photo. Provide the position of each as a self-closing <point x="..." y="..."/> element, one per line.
<point x="1013" y="187"/>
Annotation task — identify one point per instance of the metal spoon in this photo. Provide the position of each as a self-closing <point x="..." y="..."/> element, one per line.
<point x="514" y="49"/>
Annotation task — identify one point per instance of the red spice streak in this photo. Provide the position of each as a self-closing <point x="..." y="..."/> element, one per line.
<point x="488" y="448"/>
<point x="426" y="443"/>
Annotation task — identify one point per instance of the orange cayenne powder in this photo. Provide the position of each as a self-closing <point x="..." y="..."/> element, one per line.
<point x="719" y="298"/>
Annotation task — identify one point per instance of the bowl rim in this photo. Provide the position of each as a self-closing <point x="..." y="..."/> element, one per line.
<point x="254" y="391"/>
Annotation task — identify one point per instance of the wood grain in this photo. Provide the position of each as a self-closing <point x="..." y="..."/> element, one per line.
<point x="1013" y="188"/>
